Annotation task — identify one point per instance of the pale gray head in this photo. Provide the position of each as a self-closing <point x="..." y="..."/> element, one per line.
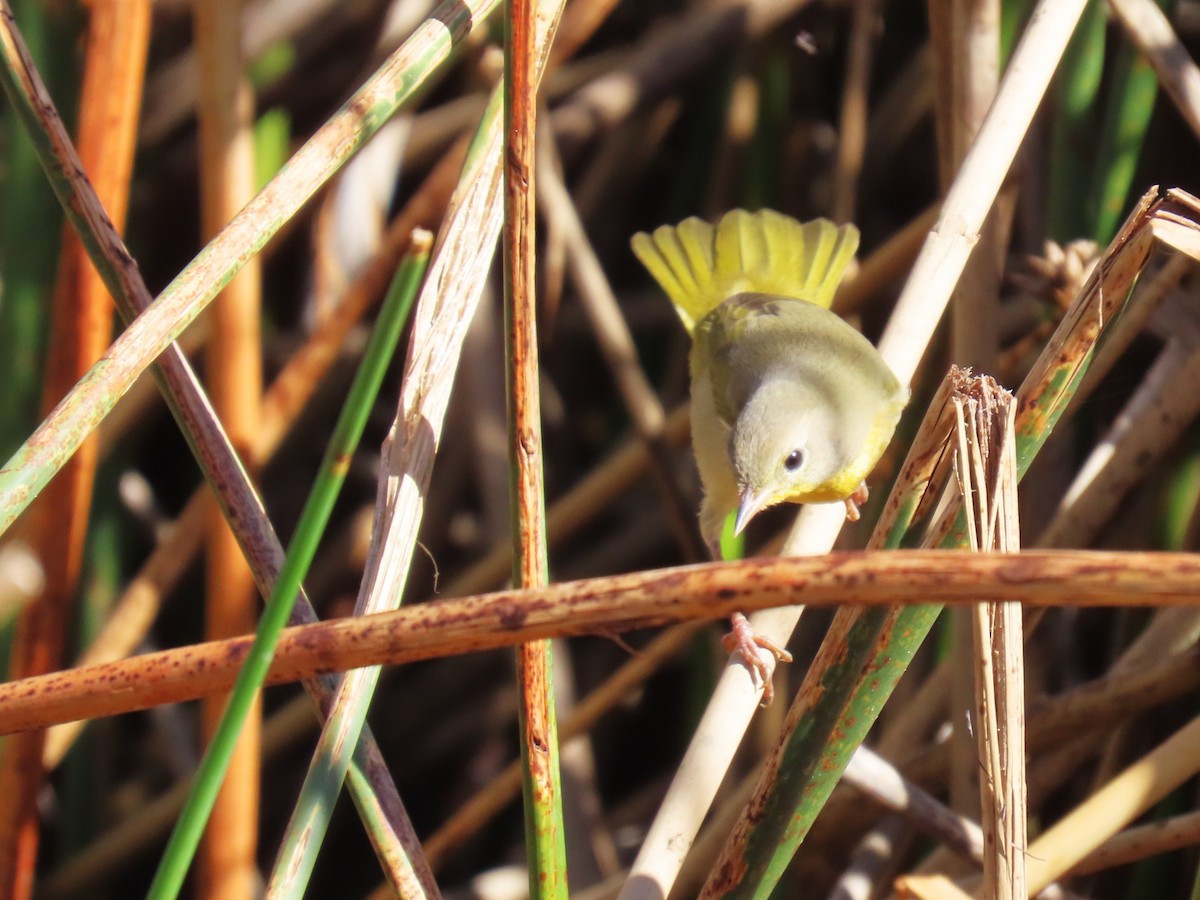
<point x="784" y="445"/>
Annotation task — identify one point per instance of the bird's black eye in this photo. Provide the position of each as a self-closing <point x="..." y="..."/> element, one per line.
<point x="793" y="461"/>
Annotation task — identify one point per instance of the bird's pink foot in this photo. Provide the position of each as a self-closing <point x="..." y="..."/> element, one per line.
<point x="855" y="500"/>
<point x="743" y="639"/>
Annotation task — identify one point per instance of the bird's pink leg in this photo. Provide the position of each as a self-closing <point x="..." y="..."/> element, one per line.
<point x="855" y="500"/>
<point x="743" y="639"/>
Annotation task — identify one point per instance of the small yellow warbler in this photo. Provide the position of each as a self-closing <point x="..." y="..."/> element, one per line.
<point x="789" y="402"/>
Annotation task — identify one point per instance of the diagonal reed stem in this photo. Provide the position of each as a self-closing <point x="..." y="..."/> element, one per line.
<point x="188" y="829"/>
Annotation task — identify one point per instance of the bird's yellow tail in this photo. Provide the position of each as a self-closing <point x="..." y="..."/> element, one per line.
<point x="701" y="265"/>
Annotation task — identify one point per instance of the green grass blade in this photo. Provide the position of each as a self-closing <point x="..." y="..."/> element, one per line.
<point x="1073" y="131"/>
<point x="327" y="771"/>
<point x="190" y="827"/>
<point x="29" y="241"/>
<point x="1132" y="92"/>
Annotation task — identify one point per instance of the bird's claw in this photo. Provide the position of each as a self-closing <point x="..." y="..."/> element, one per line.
<point x="855" y="500"/>
<point x="743" y="639"/>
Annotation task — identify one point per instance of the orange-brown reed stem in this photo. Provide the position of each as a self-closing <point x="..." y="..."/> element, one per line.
<point x="539" y="739"/>
<point x="118" y="35"/>
<point x="227" y="869"/>
<point x="607" y="605"/>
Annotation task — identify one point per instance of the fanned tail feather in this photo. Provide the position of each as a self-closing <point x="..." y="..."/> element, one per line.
<point x="700" y="265"/>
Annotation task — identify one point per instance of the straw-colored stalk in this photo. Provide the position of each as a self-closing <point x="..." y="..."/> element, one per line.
<point x="852" y="137"/>
<point x="965" y="36"/>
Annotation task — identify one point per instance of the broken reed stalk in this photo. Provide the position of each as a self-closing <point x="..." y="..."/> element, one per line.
<point x="986" y="468"/>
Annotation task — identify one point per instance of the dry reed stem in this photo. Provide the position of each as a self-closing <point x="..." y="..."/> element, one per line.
<point x="226" y="867"/>
<point x="874" y="776"/>
<point x="286" y="398"/>
<point x="117" y="40"/>
<point x="529" y="23"/>
<point x="964" y="35"/>
<point x="607" y="605"/>
<point x="445" y="307"/>
<point x="1052" y="719"/>
<point x="1151" y="423"/>
<point x="852" y="133"/>
<point x="616" y="343"/>
<point x="986" y="464"/>
<point x="1103" y="814"/>
<point x="1142" y="842"/>
<point x="505" y="787"/>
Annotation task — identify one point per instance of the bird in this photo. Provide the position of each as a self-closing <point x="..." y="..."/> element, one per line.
<point x="789" y="403"/>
